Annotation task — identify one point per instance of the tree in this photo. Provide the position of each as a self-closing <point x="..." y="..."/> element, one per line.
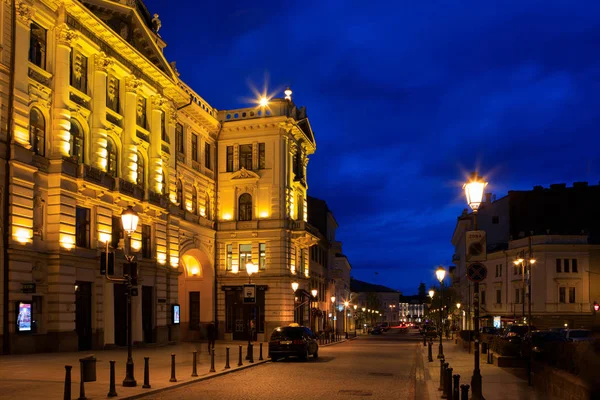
<point x="422" y="292"/>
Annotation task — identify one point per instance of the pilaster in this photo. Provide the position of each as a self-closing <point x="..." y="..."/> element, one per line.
<point x="129" y="136"/>
<point x="99" y="157"/>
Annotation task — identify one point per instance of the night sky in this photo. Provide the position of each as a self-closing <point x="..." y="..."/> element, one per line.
<point x="406" y="98"/>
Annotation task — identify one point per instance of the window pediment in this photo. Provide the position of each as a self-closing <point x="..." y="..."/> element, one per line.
<point x="244" y="174"/>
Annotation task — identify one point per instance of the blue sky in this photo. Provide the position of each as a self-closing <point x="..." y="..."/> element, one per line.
<point x="406" y="98"/>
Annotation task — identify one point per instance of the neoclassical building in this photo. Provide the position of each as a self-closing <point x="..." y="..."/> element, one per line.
<point x="95" y="119"/>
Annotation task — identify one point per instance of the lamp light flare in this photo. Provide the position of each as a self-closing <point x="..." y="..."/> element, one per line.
<point x="314" y="292"/>
<point x="474" y="191"/>
<point x="263" y="102"/>
<point x="295" y="286"/>
<point x="440" y="273"/>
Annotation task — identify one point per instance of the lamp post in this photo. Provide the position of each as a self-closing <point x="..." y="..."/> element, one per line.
<point x="294" y="288"/>
<point x="310" y="317"/>
<point x="250" y="270"/>
<point x="355" y="318"/>
<point x="440" y="273"/>
<point x="333" y="313"/>
<point x="129" y="221"/>
<point x="474" y="194"/>
<point x="459" y="317"/>
<point x="346" y="304"/>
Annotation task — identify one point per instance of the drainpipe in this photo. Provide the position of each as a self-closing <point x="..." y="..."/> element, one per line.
<point x="6" y="209"/>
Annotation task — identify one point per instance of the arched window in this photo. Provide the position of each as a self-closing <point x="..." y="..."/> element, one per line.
<point x="37" y="131"/>
<point x="195" y="201"/>
<point x="141" y="172"/>
<point x="111" y="157"/>
<point x="179" y="198"/>
<point x="245" y="208"/>
<point x="207" y="208"/>
<point x="76" y="142"/>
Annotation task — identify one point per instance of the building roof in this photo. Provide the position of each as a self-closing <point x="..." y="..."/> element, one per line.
<point x="317" y="214"/>
<point x="365" y="287"/>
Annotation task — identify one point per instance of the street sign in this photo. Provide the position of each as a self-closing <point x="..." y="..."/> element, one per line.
<point x="475" y="242"/>
<point x="249" y="294"/>
<point x="476" y="272"/>
<point x="28" y="287"/>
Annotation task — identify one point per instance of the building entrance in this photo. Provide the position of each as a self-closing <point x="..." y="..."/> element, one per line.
<point x="244" y="321"/>
<point x="83" y="314"/>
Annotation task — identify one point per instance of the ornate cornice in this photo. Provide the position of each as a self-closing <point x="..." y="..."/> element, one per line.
<point x="159" y="102"/>
<point x="65" y="35"/>
<point x="132" y="84"/>
<point x="103" y="62"/>
<point x="24" y="12"/>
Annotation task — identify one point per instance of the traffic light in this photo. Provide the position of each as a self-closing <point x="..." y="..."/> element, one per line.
<point x="110" y="265"/>
<point x="596" y="307"/>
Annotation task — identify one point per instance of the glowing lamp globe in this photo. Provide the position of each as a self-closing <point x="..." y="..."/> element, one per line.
<point x="129" y="219"/>
<point x="294" y="286"/>
<point x="431" y="293"/>
<point x="314" y="292"/>
<point x="474" y="191"/>
<point x="440" y="273"/>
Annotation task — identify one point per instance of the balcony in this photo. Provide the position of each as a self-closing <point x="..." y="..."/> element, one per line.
<point x="130" y="189"/>
<point x="97" y="176"/>
<point x="304" y="232"/>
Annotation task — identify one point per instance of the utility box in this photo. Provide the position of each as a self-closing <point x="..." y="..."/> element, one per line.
<point x="88" y="368"/>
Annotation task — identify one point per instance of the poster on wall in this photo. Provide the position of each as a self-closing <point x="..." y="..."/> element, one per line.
<point x="24" y="317"/>
<point x="175" y="314"/>
<point x="497" y="322"/>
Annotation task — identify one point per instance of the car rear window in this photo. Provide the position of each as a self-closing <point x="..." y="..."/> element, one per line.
<point x="287" y="333"/>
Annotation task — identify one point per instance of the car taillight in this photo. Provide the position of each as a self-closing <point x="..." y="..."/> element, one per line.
<point x="298" y="342"/>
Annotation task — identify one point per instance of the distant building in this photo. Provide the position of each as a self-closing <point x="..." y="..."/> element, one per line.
<point x="411" y="309"/>
<point x="376" y="298"/>
<point x="560" y="227"/>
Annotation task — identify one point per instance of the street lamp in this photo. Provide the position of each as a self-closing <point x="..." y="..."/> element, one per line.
<point x="440" y="273"/>
<point x="313" y="298"/>
<point x="474" y="193"/>
<point x="295" y="286"/>
<point x="346" y="304"/>
<point x="333" y="313"/>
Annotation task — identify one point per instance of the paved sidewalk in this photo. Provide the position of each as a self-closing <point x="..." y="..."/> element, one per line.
<point x="497" y="383"/>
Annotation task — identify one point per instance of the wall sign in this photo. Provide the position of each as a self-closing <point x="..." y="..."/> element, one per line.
<point x="175" y="313"/>
<point x="23" y="316"/>
<point x="249" y="294"/>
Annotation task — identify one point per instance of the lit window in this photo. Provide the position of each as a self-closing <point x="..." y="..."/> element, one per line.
<point x="246" y="156"/>
<point x="262" y="254"/>
<point x="111" y="157"/>
<point x="245" y="255"/>
<point x="76" y="142"/>
<point x="229" y="257"/>
<point x="37" y="131"/>
<point x="245" y="207"/>
<point x="37" y="45"/>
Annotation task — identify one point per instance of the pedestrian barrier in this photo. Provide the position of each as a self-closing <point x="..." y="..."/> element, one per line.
<point x="173" y="379"/>
<point x="146" y="384"/>
<point x="112" y="391"/>
<point x="87" y="373"/>
<point x="441" y="387"/>
<point x="448" y="384"/>
<point x="67" y="391"/>
<point x="490" y="357"/>
<point x="464" y="392"/>
<point x="240" y="362"/>
<point x="212" y="360"/>
<point x="194" y="363"/>
<point x="429" y="352"/>
<point x="484" y="347"/>
<point x="227" y="358"/>
<point x="456" y="390"/>
<point x="251" y="353"/>
<point x="260" y="357"/>
<point x="424" y="341"/>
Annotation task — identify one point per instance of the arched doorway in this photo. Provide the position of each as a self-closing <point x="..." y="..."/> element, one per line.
<point x="196" y="286"/>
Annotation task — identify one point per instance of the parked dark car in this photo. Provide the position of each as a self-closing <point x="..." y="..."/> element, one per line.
<point x="293" y="341"/>
<point x="377" y="331"/>
<point x="540" y="343"/>
<point x="489" y="330"/>
<point x="430" y="331"/>
<point x="514" y="333"/>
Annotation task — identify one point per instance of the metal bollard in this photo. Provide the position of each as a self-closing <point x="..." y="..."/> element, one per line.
<point x="424" y="341"/>
<point x="464" y="392"/>
<point x="146" y="384"/>
<point x="448" y="384"/>
<point x="456" y="390"/>
<point x="429" y="353"/>
<point x="240" y="362"/>
<point x="67" y="394"/>
<point x="251" y="353"/>
<point x="260" y="356"/>
<point x="227" y="358"/>
<point x="441" y="387"/>
<point x="173" y="379"/>
<point x="194" y="363"/>
<point x="81" y="383"/>
<point x="484" y="347"/>
<point x="112" y="391"/>
<point x="212" y="360"/>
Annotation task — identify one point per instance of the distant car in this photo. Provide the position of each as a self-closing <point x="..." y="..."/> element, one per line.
<point x="376" y="331"/>
<point x="293" y="341"/>
<point x="516" y="332"/>
<point x="430" y="331"/>
<point x="578" y="335"/>
<point x="540" y="342"/>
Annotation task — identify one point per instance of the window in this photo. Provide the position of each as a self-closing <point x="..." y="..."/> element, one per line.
<point x="115" y="234"/>
<point x="179" y="141"/>
<point x="82" y="227"/>
<point x="483" y="297"/>
<point x="261" y="156"/>
<point x="262" y="255"/>
<point x="112" y="93"/>
<point x="245" y="255"/>
<point x="194" y="311"/>
<point x="574" y="265"/>
<point x="495" y="220"/>
<point x="76" y="142"/>
<point x="245" y="207"/>
<point x="146" y="241"/>
<point x="37" y="45"/>
<point x="140" y="112"/>
<point x="140" y="179"/>
<point x="293" y="259"/>
<point x="558" y="265"/>
<point x="207" y="209"/>
<point x="301" y="264"/>
<point x="229" y="257"/>
<point x="207" y="155"/>
<point x="111" y="157"/>
<point x="517" y="298"/>
<point x="296" y="164"/>
<point x="194" y="147"/>
<point x="79" y="64"/>
<point x="498" y="296"/>
<point x="571" y="295"/>
<point x="561" y="295"/>
<point x="500" y="270"/>
<point x="195" y="201"/>
<point x="37" y="131"/>
<point x="229" y="159"/>
<point x="163" y="186"/>
<point x="566" y="265"/>
<point x="179" y="194"/>
<point x="163" y="128"/>
<point x="246" y="156"/>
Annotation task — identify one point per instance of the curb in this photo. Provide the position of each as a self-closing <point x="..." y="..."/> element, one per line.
<point x="203" y="378"/>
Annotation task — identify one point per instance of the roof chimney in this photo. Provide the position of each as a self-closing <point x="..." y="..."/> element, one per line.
<point x="488" y="197"/>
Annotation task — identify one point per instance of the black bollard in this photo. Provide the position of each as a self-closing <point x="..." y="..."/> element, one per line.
<point x="464" y="392"/>
<point x="194" y="363"/>
<point x="146" y="384"/>
<point x="227" y="358"/>
<point x="456" y="389"/>
<point x="447" y="384"/>
<point x="212" y="360"/>
<point x="240" y="362"/>
<point x="67" y="395"/>
<point x="424" y="341"/>
<point x="441" y="387"/>
<point x="260" y="357"/>
<point x="251" y="353"/>
<point x="429" y="353"/>
<point x="173" y="379"/>
<point x="81" y="383"/>
<point x="112" y="391"/>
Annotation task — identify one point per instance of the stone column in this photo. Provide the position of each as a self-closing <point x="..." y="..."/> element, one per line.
<point x="129" y="151"/>
<point x="99" y="157"/>
<point x="21" y="112"/>
<point x="61" y="123"/>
